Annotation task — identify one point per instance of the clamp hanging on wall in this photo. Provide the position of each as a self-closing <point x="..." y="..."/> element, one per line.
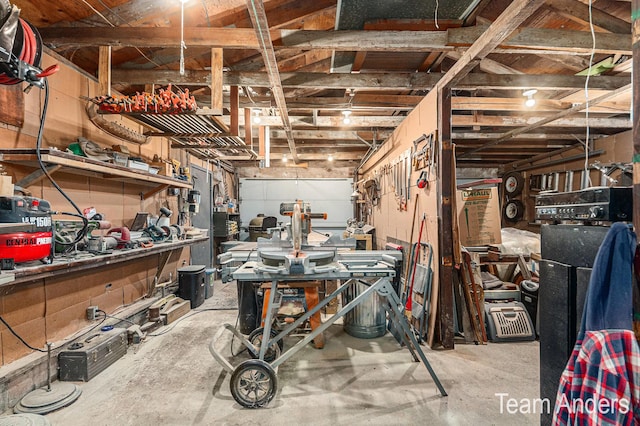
<point x="423" y="180"/>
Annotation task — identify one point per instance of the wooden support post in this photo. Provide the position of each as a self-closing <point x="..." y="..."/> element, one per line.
<point x="446" y="193"/>
<point x="234" y="101"/>
<point x="261" y="140"/>
<point x="635" y="25"/>
<point x="248" y="130"/>
<point x="104" y="70"/>
<point x="216" y="80"/>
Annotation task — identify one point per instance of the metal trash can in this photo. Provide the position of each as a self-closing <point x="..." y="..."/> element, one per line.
<point x="368" y="319"/>
<point x="191" y="284"/>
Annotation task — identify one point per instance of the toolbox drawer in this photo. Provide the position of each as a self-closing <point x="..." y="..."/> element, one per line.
<point x="86" y="358"/>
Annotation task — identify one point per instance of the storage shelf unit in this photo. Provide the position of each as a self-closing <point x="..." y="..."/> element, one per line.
<point x="69" y="163"/>
<point x="27" y="272"/>
<point x="223" y="223"/>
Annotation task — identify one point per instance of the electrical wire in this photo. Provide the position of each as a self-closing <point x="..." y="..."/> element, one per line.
<point x="104" y="18"/>
<point x="18" y="336"/>
<point x="119" y="319"/>
<point x="84" y="333"/>
<point x="206" y="13"/>
<point x="43" y="116"/>
<point x="587" y="180"/>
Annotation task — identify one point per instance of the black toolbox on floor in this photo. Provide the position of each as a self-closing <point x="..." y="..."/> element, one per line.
<point x="85" y="358"/>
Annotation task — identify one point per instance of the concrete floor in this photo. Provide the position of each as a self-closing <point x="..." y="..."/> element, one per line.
<point x="171" y="379"/>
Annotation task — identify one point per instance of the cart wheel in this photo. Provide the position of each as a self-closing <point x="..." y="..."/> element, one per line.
<point x="253" y="383"/>
<point x="256" y="340"/>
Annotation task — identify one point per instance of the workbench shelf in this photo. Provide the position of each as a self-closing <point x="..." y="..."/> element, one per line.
<point x="69" y="163"/>
<point x="35" y="270"/>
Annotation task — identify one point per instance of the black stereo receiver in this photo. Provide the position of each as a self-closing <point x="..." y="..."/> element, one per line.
<point x="606" y="204"/>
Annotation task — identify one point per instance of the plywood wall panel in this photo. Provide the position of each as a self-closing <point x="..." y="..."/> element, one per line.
<point x="64" y="323"/>
<point x="76" y="188"/>
<point x="24" y="303"/>
<point x="392" y="224"/>
<point x="110" y="300"/>
<point x="62" y="292"/>
<point x="33" y="332"/>
<point x="12" y="105"/>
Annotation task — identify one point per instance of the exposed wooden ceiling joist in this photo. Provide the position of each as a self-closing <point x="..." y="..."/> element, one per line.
<point x="372" y="102"/>
<point x="528" y="39"/>
<point x="550" y="119"/>
<point x="574" y="9"/>
<point x="489" y="39"/>
<point x="371" y="81"/>
<point x="261" y="27"/>
<point x="368" y="122"/>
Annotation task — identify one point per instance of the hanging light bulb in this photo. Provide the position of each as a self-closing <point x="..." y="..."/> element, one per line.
<point x="330" y="157"/>
<point x="284" y="158"/>
<point x="530" y="101"/>
<point x="183" y="45"/>
<point x="346" y="119"/>
<point x="256" y="116"/>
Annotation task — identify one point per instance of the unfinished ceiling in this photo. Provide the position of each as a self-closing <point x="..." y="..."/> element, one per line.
<point x="375" y="58"/>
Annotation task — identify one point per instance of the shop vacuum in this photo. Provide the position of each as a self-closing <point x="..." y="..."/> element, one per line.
<point x="34" y="243"/>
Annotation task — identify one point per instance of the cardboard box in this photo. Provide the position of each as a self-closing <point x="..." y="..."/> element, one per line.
<point x="6" y="186"/>
<point x="478" y="217"/>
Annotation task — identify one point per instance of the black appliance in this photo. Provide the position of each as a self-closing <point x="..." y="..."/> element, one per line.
<point x="191" y="284"/>
<point x="529" y="298"/>
<point x="610" y="204"/>
<point x="568" y="251"/>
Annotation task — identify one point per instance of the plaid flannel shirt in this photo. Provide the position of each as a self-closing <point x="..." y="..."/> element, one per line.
<point x="601" y="383"/>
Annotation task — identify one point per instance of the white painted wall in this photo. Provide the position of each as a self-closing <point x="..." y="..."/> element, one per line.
<point x="331" y="196"/>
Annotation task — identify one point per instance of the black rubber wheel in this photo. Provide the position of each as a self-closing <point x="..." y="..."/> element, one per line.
<point x="256" y="340"/>
<point x="513" y="183"/>
<point x="513" y="211"/>
<point x="253" y="383"/>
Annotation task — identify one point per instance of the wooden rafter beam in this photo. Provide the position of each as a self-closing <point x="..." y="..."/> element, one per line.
<point x="552" y="41"/>
<point x="265" y="42"/>
<point x="542" y="137"/>
<point x="574" y="9"/>
<point x="408" y="102"/>
<point x="550" y="119"/>
<point x="524" y="40"/>
<point x="367" y="122"/>
<point x="490" y="38"/>
<point x="371" y="81"/>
